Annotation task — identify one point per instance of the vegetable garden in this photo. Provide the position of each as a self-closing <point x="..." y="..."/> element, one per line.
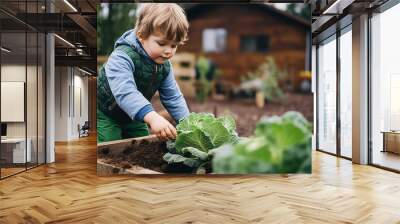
<point x="212" y="144"/>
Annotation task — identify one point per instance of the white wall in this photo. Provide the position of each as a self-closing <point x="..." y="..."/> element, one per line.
<point x="80" y="83"/>
<point x="12" y="73"/>
<point x="70" y="84"/>
<point x="61" y="103"/>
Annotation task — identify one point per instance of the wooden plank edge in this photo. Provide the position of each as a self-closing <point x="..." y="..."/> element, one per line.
<point x="105" y="169"/>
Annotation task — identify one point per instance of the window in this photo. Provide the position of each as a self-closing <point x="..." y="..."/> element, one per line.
<point x="334" y="118"/>
<point x="327" y="96"/>
<point x="256" y="43"/>
<point x="214" y="40"/>
<point x="346" y="94"/>
<point x="385" y="88"/>
<point x="22" y="65"/>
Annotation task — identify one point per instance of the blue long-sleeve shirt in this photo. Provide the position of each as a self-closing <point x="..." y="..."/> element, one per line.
<point x="119" y="69"/>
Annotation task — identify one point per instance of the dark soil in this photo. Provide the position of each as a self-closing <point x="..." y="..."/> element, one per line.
<point x="145" y="154"/>
<point x="148" y="155"/>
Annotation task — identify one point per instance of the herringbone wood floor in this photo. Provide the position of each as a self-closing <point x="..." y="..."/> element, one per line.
<point x="70" y="192"/>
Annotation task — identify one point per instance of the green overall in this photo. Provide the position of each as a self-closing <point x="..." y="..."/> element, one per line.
<point x="112" y="122"/>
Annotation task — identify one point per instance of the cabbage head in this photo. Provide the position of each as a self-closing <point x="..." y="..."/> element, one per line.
<point x="281" y="144"/>
<point x="198" y="135"/>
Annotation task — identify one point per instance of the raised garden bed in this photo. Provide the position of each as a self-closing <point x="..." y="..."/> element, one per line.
<point x="135" y="156"/>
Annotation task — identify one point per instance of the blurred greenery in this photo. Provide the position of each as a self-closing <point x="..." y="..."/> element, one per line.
<point x="205" y="73"/>
<point x="112" y="21"/>
<point x="272" y="74"/>
<point x="266" y="79"/>
<point x="302" y="10"/>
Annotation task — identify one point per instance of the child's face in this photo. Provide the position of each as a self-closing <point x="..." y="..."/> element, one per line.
<point x="158" y="48"/>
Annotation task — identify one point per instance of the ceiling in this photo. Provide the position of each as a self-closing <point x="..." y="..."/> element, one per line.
<point x="329" y="13"/>
<point x="72" y="20"/>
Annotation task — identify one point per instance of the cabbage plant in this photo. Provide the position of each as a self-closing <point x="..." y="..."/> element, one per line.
<point x="199" y="135"/>
<point x="279" y="145"/>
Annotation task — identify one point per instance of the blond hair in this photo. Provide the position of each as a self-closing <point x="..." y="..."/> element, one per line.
<point x="167" y="18"/>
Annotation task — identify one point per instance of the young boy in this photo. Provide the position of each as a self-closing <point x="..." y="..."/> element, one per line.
<point x="137" y="68"/>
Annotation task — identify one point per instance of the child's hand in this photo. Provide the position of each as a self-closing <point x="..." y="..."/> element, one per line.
<point x="160" y="126"/>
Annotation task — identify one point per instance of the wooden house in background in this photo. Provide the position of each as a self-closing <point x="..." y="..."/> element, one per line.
<point x="238" y="37"/>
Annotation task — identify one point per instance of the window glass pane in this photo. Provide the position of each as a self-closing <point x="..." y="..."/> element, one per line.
<point x="258" y="43"/>
<point x="327" y="97"/>
<point x="214" y="40"/>
<point x="262" y="43"/>
<point x="346" y="94"/>
<point x="14" y="153"/>
<point x="31" y="97"/>
<point x="385" y="88"/>
<point x="248" y="44"/>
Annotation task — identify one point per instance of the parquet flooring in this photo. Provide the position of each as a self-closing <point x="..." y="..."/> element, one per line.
<point x="69" y="191"/>
<point x="9" y="171"/>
